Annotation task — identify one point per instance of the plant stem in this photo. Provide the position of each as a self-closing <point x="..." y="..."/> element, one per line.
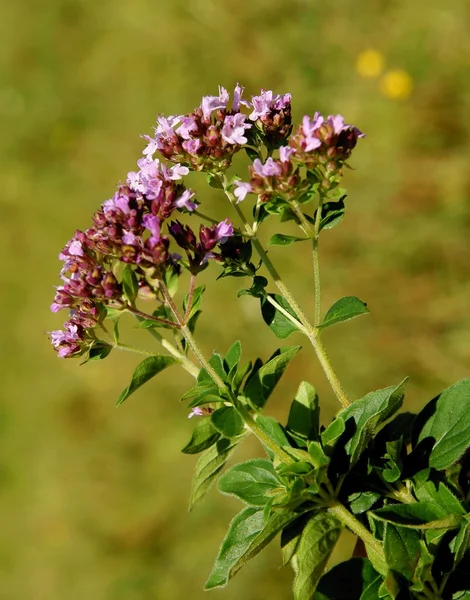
<point x="263" y="438"/>
<point x="312" y="332"/>
<point x="316" y="263"/>
<point x="247" y="418"/>
<point x="192" y="283"/>
<point x="286" y="313"/>
<point x="189" y="338"/>
<point x="187" y="365"/>
<point x="343" y="515"/>
<point x="148" y="317"/>
<point x="134" y="349"/>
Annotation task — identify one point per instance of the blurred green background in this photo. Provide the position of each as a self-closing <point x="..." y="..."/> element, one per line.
<point x="94" y="499"/>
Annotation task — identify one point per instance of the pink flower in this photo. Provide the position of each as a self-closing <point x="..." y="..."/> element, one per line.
<point x="234" y="128"/>
<point x="192" y="146"/>
<point x="242" y="190"/>
<point x="153" y="225"/>
<point x="224" y="230"/>
<point x="269" y="169"/>
<point x="184" y="201"/>
<point x="211" y="103"/>
<point x="285" y="153"/>
<point x="237" y="101"/>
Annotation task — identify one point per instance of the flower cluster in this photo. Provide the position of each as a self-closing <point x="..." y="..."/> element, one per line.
<point x="272" y="116"/>
<point x="199" y="252"/>
<point x="273" y="179"/>
<point x="126" y="229"/>
<point x="130" y="227"/>
<point x="321" y="141"/>
<point x="206" y="138"/>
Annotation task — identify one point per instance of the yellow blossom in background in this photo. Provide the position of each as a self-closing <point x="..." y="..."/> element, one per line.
<point x="370" y="63"/>
<point x="396" y="84"/>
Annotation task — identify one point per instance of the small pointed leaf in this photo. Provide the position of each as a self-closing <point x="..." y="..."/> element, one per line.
<point x="316" y="544"/>
<point x="279" y="239"/>
<point x="344" y="309"/>
<point x="147" y="369"/>
<point x="203" y="437"/>
<point x="250" y="480"/>
<point x="209" y="465"/>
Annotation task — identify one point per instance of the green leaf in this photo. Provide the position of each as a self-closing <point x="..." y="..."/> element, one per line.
<point x="200" y="390"/>
<point x="281" y="325"/>
<point x="279" y="239"/>
<point x="448" y="425"/>
<point x="344" y="309"/>
<point x="402" y="549"/>
<point x="217" y="364"/>
<point x="361" y="502"/>
<point x="290" y="537"/>
<point x="147" y="369"/>
<point x="257" y="289"/>
<point x="304" y="413"/>
<point x="98" y="351"/>
<point x="233" y="356"/>
<point x="130" y="285"/>
<point x="462" y="543"/>
<point x="214" y="181"/>
<point x="249" y="481"/>
<point x="439" y="494"/>
<point x="209" y="465"/>
<point x="273" y="429"/>
<point x="333" y="432"/>
<point x="332" y="214"/>
<point x="260" y="385"/>
<point x="196" y="301"/>
<point x="393" y="467"/>
<point x="227" y="421"/>
<point x="354" y="579"/>
<point x="418" y="515"/>
<point x="203" y="437"/>
<point x="316" y="544"/>
<point x="247" y="535"/>
<point x="171" y="279"/>
<point x="367" y="415"/>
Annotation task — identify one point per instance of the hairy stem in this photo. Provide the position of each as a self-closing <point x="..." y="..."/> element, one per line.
<point x="192" y="284"/>
<point x="187" y="365"/>
<point x="148" y="317"/>
<point x="312" y="332"/>
<point x="350" y="521"/>
<point x="129" y="348"/>
<point x="316" y="263"/>
<point x="247" y="418"/>
<point x="287" y="314"/>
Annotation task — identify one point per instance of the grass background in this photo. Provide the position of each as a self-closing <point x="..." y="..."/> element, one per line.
<point x="93" y="499"/>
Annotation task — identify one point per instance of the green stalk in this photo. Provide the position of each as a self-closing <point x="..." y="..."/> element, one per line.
<point x="247" y="418"/>
<point x="311" y="331"/>
<point x="129" y="348"/>
<point x="187" y="365"/>
<point x="350" y="521"/>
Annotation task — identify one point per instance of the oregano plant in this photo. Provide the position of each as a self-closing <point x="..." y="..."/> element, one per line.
<point x="400" y="482"/>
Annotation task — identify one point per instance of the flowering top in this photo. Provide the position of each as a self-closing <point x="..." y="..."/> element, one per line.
<point x="319" y="141"/>
<point x="131" y="233"/>
<point x="205" y="139"/>
<point x="272" y="115"/>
